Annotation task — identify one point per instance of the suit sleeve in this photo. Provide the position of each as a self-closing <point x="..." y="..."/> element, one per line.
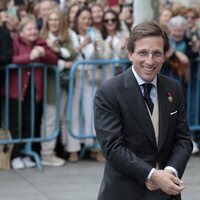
<point x="182" y="141"/>
<point x="109" y="130"/>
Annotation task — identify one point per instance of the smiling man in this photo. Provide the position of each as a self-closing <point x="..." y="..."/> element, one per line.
<point x="141" y="126"/>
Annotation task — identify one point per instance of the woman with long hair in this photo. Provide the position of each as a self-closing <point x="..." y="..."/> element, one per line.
<point x="89" y="46"/>
<point x="113" y="36"/>
<point x="57" y="35"/>
<point x="97" y="15"/>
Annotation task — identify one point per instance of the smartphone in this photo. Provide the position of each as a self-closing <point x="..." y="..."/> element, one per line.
<point x="12" y="11"/>
<point x="91" y="33"/>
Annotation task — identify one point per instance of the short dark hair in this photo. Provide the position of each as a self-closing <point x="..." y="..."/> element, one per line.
<point x="146" y="29"/>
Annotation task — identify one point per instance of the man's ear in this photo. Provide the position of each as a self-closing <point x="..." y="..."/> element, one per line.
<point x="130" y="56"/>
<point x="166" y="55"/>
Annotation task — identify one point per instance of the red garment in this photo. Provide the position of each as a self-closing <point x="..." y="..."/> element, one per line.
<point x="21" y="55"/>
<point x="112" y="3"/>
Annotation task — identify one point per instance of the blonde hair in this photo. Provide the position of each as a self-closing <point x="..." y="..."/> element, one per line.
<point x="63" y="33"/>
<point x="26" y="20"/>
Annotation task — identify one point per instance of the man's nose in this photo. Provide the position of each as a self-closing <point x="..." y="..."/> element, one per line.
<point x="149" y="58"/>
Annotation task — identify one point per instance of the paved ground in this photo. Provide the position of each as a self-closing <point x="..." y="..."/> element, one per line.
<point x="78" y="181"/>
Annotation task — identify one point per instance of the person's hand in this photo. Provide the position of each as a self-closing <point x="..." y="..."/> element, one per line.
<point x="151" y="185"/>
<point x="169" y="53"/>
<point x="52" y="45"/>
<point x="37" y="52"/>
<point x="41" y="50"/>
<point x="196" y="46"/>
<point x="87" y="40"/>
<point x="111" y="43"/>
<point x="124" y="42"/>
<point x="167" y="182"/>
<point x="34" y="54"/>
<point x="169" y="171"/>
<point x="68" y="64"/>
<point x="182" y="57"/>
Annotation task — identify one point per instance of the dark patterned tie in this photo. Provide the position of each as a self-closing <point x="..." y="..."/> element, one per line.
<point x="147" y="89"/>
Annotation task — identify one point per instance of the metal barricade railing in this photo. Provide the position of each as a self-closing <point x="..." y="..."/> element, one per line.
<point x="85" y="76"/>
<point x="9" y="72"/>
<point x="80" y="105"/>
<point x="193" y="96"/>
<point x="191" y="90"/>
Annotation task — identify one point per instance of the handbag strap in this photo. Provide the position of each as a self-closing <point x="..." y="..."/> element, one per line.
<point x="81" y="52"/>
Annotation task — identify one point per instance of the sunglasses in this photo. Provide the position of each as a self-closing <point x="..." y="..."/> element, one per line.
<point x="113" y="20"/>
<point x="190" y="17"/>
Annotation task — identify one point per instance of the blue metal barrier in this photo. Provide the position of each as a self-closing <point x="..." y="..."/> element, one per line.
<point x="78" y="111"/>
<point x="191" y="90"/>
<point x="193" y="96"/>
<point x="85" y="76"/>
<point x="34" y="137"/>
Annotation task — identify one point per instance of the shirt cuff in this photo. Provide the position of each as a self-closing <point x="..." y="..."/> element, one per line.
<point x="172" y="169"/>
<point x="150" y="173"/>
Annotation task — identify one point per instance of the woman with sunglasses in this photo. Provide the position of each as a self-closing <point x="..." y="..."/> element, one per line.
<point x="115" y="39"/>
<point x="89" y="45"/>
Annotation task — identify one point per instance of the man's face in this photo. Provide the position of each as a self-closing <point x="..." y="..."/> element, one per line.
<point x="148" y="57"/>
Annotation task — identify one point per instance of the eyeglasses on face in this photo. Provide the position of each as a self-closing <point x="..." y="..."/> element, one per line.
<point x="145" y="54"/>
<point x="190" y="17"/>
<point x="112" y="20"/>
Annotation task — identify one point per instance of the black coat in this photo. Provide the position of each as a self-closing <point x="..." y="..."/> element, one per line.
<point x="126" y="135"/>
<point x="6" y="51"/>
<point x="6" y="48"/>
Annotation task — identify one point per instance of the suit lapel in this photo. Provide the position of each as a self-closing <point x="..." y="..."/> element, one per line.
<point x="164" y="111"/>
<point x="133" y="96"/>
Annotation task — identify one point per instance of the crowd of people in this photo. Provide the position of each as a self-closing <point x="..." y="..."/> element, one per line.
<point x="56" y="32"/>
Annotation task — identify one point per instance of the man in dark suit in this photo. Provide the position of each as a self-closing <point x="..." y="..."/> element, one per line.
<point x="141" y="125"/>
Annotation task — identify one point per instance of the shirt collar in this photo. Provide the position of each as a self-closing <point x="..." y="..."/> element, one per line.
<point x="140" y="81"/>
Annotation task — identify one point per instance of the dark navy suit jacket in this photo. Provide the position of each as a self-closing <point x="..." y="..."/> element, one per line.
<point x="126" y="135"/>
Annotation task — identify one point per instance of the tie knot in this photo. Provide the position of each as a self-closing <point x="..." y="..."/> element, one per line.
<point x="147" y="88"/>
